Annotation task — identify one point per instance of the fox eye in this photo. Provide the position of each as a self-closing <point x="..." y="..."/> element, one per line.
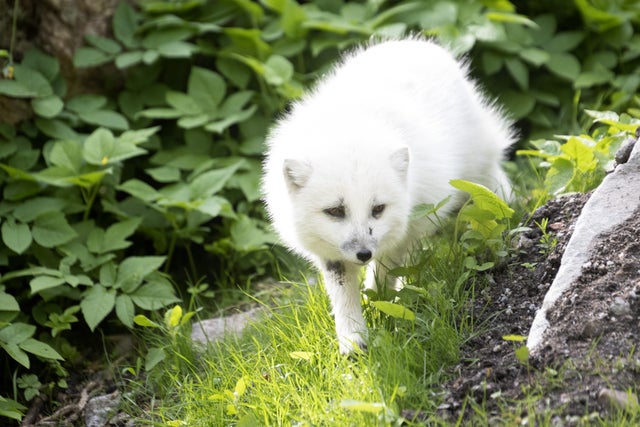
<point x="335" y="212"/>
<point x="377" y="210"/>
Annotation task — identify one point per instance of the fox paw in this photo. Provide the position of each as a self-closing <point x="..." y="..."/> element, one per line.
<point x="353" y="343"/>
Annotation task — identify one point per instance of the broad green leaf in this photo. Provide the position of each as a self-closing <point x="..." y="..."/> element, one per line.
<point x="40" y="283"/>
<point x="55" y="129"/>
<point x="90" y="57"/>
<point x="137" y="136"/>
<point x="142" y="320"/>
<point x="582" y="156"/>
<point x="125" y="310"/>
<point x="39" y="348"/>
<point x="157" y="38"/>
<point x="247" y="236"/>
<point x="172" y="317"/>
<point x="16" y="353"/>
<point x="534" y="56"/>
<point x="140" y="190"/>
<point x="155" y="355"/>
<point x="14" y="89"/>
<point x="519" y="72"/>
<point x="304" y="355"/>
<point x="177" y="49"/>
<point x="11" y="409"/>
<point x="129" y="59"/>
<point x="394" y="310"/>
<point x="564" y="42"/>
<point x="16" y="333"/>
<point x="102" y="148"/>
<point x="484" y="198"/>
<point x="564" y="65"/>
<point x="211" y="182"/>
<point x="221" y="125"/>
<point x="97" y="302"/>
<point x="190" y="122"/>
<point x="492" y="62"/>
<point x="160" y="113"/>
<point x="86" y="103"/>
<point x="559" y="176"/>
<point x="522" y="354"/>
<point x="182" y="102"/>
<point x="106" y="118"/>
<point x="28" y="210"/>
<point x="154" y="295"/>
<point x="48" y="107"/>
<point x="16" y="236"/>
<point x="33" y="80"/>
<point x="164" y="174"/>
<point x="213" y="206"/>
<point x="8" y="302"/>
<point x="125" y="24"/>
<point x="278" y="70"/>
<point x="52" y="229"/>
<point x="519" y="104"/>
<point x="106" y="45"/>
<point x="133" y="270"/>
<point x="45" y="64"/>
<point x="66" y="154"/>
<point x="207" y="88"/>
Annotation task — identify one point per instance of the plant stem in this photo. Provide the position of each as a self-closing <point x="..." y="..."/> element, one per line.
<point x="14" y="28"/>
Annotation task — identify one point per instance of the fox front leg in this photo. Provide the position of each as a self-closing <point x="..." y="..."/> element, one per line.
<point x="341" y="281"/>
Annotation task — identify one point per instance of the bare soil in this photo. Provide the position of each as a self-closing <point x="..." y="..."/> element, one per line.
<point x="588" y="367"/>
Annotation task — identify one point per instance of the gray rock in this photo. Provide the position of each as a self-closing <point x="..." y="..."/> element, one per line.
<point x="100" y="409"/>
<point x="611" y="204"/>
<point x="211" y="330"/>
<point x="616" y="400"/>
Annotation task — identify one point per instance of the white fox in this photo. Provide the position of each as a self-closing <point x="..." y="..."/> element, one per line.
<point x="383" y="132"/>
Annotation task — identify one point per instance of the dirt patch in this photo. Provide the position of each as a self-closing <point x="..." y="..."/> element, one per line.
<point x="581" y="372"/>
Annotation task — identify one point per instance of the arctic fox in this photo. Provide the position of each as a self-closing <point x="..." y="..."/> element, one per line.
<point x="383" y="132"/>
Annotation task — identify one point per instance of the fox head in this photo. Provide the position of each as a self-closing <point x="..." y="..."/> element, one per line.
<point x="350" y="208"/>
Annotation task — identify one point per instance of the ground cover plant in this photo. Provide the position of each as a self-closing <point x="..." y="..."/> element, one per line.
<point x="127" y="201"/>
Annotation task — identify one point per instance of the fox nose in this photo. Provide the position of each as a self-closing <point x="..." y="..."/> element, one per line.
<point x="364" y="255"/>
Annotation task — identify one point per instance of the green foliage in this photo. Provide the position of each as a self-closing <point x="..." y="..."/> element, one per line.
<point x="580" y="163"/>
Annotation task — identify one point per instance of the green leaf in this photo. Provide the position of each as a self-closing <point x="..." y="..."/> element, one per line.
<point x="40" y="283"/>
<point x="8" y="302"/>
<point x="211" y="182"/>
<point x="125" y="310"/>
<point x="39" y="348"/>
<point x="519" y="72"/>
<point x="16" y="333"/>
<point x="16" y="236"/>
<point x="66" y="154"/>
<point x="207" y="88"/>
<point x="221" y="125"/>
<point x="11" y="409"/>
<point x="182" y="102"/>
<point x="144" y="321"/>
<point x="519" y="104"/>
<point x="52" y="229"/>
<point x="356" y="405"/>
<point x="97" y="302"/>
<point x="101" y="148"/>
<point x="154" y="295"/>
<point x="564" y="41"/>
<point x="559" y="176"/>
<point x="534" y="56"/>
<point x="33" y="80"/>
<point x="15" y="89"/>
<point x="87" y="102"/>
<point x="177" y="49"/>
<point x="106" y="118"/>
<point x="28" y="210"/>
<point x="16" y="353"/>
<point x="140" y="190"/>
<point x="134" y="270"/>
<point x="56" y="129"/>
<point x="164" y="174"/>
<point x="90" y="57"/>
<point x="564" y="65"/>
<point x="129" y="59"/>
<point x="125" y="24"/>
<point x="278" y="70"/>
<point x="155" y="355"/>
<point x="106" y="45"/>
<point x="394" y="310"/>
<point x="484" y="198"/>
<point x="49" y="106"/>
<point x="522" y="354"/>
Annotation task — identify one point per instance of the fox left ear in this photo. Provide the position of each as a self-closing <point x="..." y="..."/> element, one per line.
<point x="400" y="161"/>
<point x="296" y="173"/>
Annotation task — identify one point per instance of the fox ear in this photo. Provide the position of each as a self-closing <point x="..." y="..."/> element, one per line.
<point x="400" y="161"/>
<point x="296" y="173"/>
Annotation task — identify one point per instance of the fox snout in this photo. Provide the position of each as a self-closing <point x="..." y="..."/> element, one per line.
<point x="359" y="250"/>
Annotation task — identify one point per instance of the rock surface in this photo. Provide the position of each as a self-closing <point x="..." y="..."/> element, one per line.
<point x="612" y="203"/>
<point x="214" y="329"/>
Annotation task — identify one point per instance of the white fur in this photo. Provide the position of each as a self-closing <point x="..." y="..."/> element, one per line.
<point x="391" y="125"/>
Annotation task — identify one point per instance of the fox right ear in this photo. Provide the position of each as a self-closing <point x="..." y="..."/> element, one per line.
<point x="296" y="173"/>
